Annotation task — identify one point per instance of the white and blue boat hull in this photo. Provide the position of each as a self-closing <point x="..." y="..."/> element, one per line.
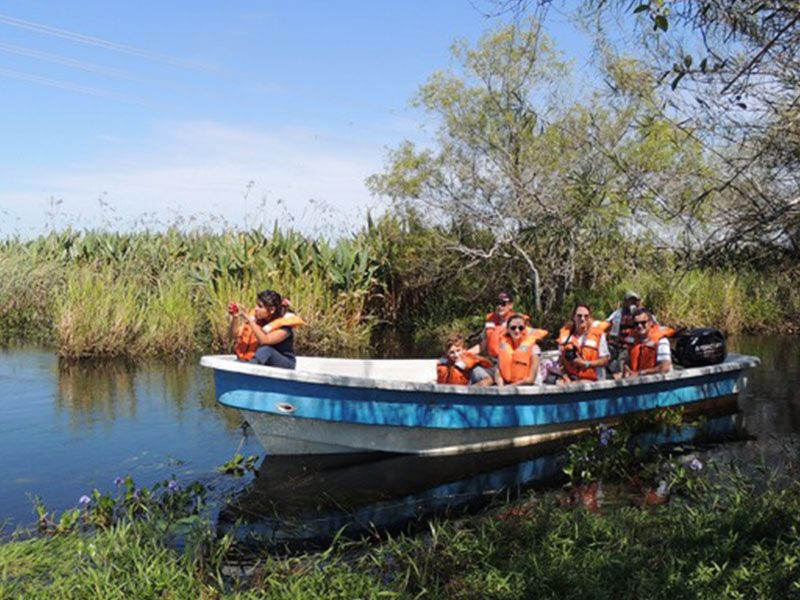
<point x="345" y="405"/>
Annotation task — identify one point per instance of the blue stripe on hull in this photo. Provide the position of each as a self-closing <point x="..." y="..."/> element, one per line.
<point x="436" y="410"/>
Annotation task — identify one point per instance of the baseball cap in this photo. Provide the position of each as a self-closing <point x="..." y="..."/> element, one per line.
<point x="504" y="297"/>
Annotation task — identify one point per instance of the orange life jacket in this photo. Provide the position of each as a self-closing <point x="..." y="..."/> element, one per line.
<point x="589" y="350"/>
<point x="494" y="329"/>
<point x="457" y="373"/>
<point x="247" y="342"/>
<point x="644" y="352"/>
<point x="515" y="363"/>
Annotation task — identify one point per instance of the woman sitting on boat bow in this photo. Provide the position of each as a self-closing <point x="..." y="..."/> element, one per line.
<point x="265" y="335"/>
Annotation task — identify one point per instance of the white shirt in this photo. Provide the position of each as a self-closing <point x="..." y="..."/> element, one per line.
<point x="663" y="351"/>
<point x="615" y="318"/>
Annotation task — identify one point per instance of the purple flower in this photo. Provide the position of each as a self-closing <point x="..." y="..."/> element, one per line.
<point x="84" y="500"/>
<point x="606" y="435"/>
<point x="173" y="486"/>
<point x="696" y="464"/>
<point x="118" y="481"/>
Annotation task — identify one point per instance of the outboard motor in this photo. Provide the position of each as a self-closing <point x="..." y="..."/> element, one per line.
<point x="699" y="347"/>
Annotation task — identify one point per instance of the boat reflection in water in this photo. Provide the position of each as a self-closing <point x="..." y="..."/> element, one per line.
<point x="305" y="501"/>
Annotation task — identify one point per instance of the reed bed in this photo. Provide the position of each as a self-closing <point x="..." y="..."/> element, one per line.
<point x="94" y="294"/>
<point x="103" y="294"/>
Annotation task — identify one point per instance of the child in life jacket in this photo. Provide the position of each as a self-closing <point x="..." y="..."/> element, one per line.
<point x="265" y="335"/>
<point x="461" y="367"/>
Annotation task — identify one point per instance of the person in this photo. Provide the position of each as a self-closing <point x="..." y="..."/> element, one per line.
<point x="518" y="352"/>
<point x="494" y="324"/>
<point x="461" y="367"/>
<point x="621" y="332"/>
<point x="265" y="336"/>
<point x="622" y="335"/>
<point x="651" y="352"/>
<point x="583" y="349"/>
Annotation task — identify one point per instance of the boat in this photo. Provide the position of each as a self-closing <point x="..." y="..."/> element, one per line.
<point x="341" y="405"/>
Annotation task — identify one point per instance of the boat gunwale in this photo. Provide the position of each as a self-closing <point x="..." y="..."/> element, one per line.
<point x="228" y="363"/>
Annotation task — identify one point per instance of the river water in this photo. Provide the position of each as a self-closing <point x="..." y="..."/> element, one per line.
<point x="67" y="430"/>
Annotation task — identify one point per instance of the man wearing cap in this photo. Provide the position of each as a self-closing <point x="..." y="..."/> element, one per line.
<point x="495" y="322"/>
<point x="622" y="319"/>
<point x="621" y="335"/>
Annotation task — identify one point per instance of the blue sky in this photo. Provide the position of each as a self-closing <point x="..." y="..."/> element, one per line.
<point x="126" y="115"/>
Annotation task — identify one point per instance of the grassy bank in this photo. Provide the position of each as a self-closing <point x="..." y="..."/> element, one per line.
<point x="98" y="294"/>
<point x="728" y="539"/>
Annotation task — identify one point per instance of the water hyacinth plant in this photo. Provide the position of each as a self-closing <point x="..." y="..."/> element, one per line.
<point x="166" y="504"/>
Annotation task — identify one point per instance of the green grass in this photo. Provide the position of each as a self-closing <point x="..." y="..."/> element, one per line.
<point x="728" y="539"/>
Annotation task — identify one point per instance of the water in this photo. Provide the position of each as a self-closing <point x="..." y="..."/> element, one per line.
<point x="65" y="431"/>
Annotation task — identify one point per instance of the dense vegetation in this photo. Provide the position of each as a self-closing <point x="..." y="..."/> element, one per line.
<point x="111" y="294"/>
<point x="714" y="533"/>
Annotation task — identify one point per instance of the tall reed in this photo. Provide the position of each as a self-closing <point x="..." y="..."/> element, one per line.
<point x="96" y="293"/>
<point x="99" y="314"/>
<point x="170" y="318"/>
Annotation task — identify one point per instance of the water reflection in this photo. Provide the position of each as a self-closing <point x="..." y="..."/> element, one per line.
<point x="771" y="402"/>
<point x="105" y="391"/>
<point x="96" y="392"/>
<point x="305" y="501"/>
<point x="69" y="428"/>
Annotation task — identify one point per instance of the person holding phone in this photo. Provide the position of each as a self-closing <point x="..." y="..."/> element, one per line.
<point x="265" y="335"/>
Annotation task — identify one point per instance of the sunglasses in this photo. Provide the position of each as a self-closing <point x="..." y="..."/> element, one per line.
<point x="503" y="302"/>
<point x="517" y="328"/>
<point x="640" y="323"/>
<point x="581" y="316"/>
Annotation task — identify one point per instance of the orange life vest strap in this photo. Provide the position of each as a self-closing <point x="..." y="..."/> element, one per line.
<point x="287" y="320"/>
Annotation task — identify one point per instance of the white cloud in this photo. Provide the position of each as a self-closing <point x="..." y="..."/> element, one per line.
<point x="201" y="171"/>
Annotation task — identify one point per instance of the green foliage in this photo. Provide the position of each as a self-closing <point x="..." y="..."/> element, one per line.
<point x="238" y="465"/>
<point x="99" y="314"/>
<point x="727" y="537"/>
<point x="141" y="294"/>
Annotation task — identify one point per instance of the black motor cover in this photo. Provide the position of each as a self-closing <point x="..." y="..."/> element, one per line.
<point x="698" y="347"/>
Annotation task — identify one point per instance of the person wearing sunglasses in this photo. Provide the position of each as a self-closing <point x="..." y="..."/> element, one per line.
<point x="583" y="349"/>
<point x="518" y="353"/>
<point x="622" y="333"/>
<point x="651" y="352"/>
<point x="461" y="367"/>
<point x="494" y="325"/>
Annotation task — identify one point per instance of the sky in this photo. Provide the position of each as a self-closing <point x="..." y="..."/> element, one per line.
<point x="206" y="113"/>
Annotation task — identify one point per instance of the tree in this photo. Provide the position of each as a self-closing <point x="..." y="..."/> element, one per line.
<point x="562" y="187"/>
<point x="728" y="72"/>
